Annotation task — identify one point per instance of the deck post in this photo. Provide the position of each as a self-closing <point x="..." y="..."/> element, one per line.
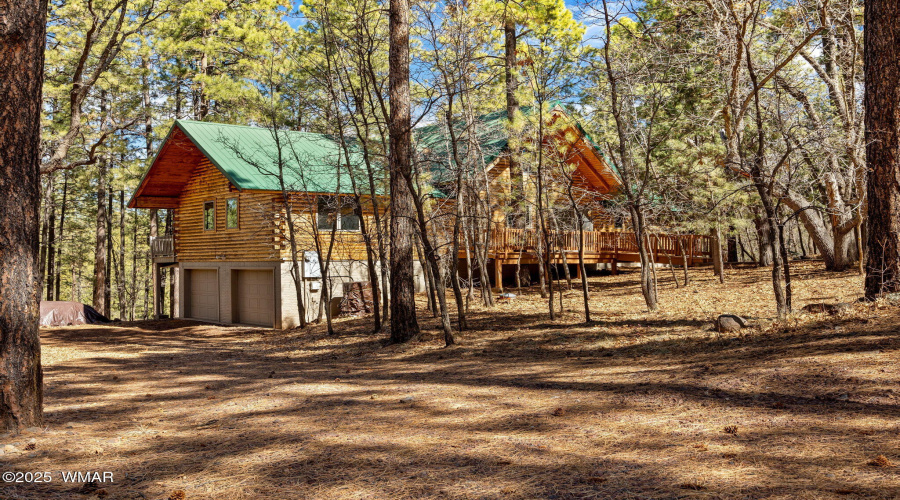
<point x="615" y="267"/>
<point x="691" y="254"/>
<point x="498" y="275"/>
<point x="578" y="271"/>
<point x="156" y="291"/>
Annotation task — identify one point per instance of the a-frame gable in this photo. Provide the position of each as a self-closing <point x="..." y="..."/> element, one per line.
<point x="170" y="171"/>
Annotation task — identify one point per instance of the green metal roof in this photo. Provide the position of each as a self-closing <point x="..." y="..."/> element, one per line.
<point x="492" y="134"/>
<point x="249" y="157"/>
<point x="490" y="131"/>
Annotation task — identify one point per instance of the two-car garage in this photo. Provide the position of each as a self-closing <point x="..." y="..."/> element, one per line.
<point x="247" y="294"/>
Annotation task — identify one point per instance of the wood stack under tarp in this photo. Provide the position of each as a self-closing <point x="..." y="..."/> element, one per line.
<point x="57" y="313"/>
<point x="357" y="300"/>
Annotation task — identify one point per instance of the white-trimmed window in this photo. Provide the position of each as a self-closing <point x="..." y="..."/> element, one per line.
<point x="340" y="210"/>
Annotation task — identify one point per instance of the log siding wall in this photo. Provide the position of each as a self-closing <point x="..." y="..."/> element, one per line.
<point x="261" y="234"/>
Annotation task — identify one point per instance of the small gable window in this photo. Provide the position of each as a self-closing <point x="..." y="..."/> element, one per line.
<point x="231" y="213"/>
<point x="209" y="216"/>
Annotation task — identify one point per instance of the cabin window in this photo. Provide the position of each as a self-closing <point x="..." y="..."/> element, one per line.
<point x="325" y="213"/>
<point x="328" y="209"/>
<point x="209" y="216"/>
<point x="231" y="213"/>
<point x="349" y="216"/>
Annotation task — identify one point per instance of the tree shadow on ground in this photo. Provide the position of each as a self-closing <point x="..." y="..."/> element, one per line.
<point x="524" y="408"/>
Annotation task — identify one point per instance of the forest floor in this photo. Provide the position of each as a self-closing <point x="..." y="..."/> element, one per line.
<point x="633" y="405"/>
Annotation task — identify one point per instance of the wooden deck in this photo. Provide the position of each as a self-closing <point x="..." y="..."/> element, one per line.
<point x="511" y="246"/>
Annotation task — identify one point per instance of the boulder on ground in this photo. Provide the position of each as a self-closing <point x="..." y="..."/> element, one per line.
<point x="730" y="323"/>
<point x="830" y="309"/>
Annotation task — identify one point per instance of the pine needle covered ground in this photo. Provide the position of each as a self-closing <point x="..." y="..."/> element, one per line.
<point x="632" y="406"/>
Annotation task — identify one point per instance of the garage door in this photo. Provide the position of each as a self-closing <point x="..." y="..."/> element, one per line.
<point x="204" y="303"/>
<point x="256" y="298"/>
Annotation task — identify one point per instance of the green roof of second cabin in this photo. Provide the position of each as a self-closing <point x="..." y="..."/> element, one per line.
<point x="491" y="141"/>
<point x="491" y="135"/>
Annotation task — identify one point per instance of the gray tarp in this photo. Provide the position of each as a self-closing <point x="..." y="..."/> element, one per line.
<point x="69" y="313"/>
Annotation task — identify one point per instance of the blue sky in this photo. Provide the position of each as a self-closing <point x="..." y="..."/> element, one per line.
<point x="591" y="33"/>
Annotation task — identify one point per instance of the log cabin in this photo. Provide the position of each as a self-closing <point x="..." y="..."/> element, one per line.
<point x="231" y="188"/>
<point x="576" y="173"/>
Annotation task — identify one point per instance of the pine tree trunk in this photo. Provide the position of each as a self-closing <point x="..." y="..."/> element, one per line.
<point x="45" y="229"/>
<point x="882" y="63"/>
<point x="51" y="244"/>
<point x="648" y="287"/>
<point x="22" y="38"/>
<point x="120" y="270"/>
<point x="404" y="324"/>
<point x="100" y="256"/>
<point x="62" y="230"/>
<point x="454" y="256"/>
<point x="764" y="238"/>
<point x="684" y="260"/>
<point x="109" y="249"/>
<point x="429" y="280"/>
<point x="718" y="261"/>
<point x="585" y="291"/>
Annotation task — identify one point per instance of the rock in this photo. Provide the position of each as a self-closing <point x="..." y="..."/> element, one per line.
<point x="730" y="323"/>
<point x="7" y="449"/>
<point x="408" y="399"/>
<point x="88" y="488"/>
<point x="830" y="309"/>
<point x="843" y="307"/>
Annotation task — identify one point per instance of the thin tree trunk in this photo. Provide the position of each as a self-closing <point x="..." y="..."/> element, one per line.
<point x="120" y="271"/>
<point x="109" y="249"/>
<point x="764" y="237"/>
<point x="860" y="259"/>
<point x="454" y="256"/>
<point x="470" y="290"/>
<point x="718" y="264"/>
<point x="788" y="291"/>
<point x="133" y="290"/>
<point x="45" y="231"/>
<point x="585" y="291"/>
<point x="49" y="276"/>
<point x="648" y="289"/>
<point x="684" y="259"/>
<point x="61" y="237"/>
<point x="429" y="280"/>
<point x="672" y="268"/>
<point x="800" y="239"/>
<point x="100" y="247"/>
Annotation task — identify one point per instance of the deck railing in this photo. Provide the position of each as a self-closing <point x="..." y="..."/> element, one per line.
<point x="603" y="242"/>
<point x="162" y="246"/>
